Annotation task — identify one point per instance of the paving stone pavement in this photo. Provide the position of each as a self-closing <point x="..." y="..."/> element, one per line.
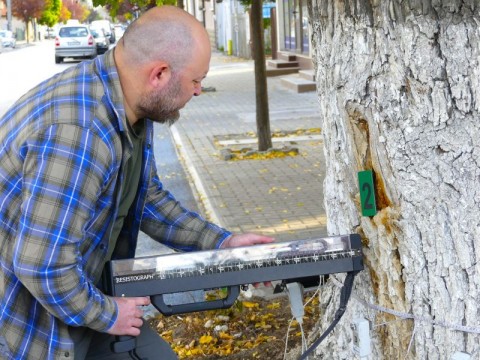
<point x="281" y="197"/>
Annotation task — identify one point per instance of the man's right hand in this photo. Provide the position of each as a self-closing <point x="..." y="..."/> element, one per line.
<point x="129" y="318"/>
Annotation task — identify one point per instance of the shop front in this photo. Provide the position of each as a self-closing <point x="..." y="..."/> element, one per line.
<point x="294" y="31"/>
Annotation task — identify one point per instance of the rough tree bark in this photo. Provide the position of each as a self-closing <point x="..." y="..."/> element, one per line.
<point x="398" y="84"/>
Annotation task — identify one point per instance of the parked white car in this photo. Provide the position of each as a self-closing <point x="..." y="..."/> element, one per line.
<point x="107" y="27"/>
<point x="74" y="41"/>
<point x="7" y="39"/>
<point x="119" y="29"/>
<point x="102" y="40"/>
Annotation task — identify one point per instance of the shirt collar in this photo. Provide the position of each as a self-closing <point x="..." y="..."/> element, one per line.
<point x="113" y="89"/>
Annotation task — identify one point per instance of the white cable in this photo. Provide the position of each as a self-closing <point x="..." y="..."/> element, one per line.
<point x="286" y="338"/>
<point x="468" y="329"/>
<point x="304" y="343"/>
<point x="295" y="295"/>
<point x="304" y="339"/>
<point x="386" y="323"/>
<point x="411" y="340"/>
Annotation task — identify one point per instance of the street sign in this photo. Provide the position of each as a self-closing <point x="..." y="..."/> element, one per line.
<point x="266" y="10"/>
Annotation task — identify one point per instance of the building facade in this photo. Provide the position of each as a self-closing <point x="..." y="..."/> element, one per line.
<point x="294" y="30"/>
<point x="228" y="24"/>
<point x="18" y="26"/>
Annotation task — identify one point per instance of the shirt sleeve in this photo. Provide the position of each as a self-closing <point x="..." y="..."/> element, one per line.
<point x="167" y="221"/>
<point x="65" y="169"/>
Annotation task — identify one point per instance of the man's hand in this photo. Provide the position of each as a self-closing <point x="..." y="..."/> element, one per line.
<point x="129" y="318"/>
<point x="246" y="240"/>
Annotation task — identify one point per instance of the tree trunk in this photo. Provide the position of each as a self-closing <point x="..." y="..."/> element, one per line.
<point x="398" y="83"/>
<point x="27" y="31"/>
<point x="261" y="90"/>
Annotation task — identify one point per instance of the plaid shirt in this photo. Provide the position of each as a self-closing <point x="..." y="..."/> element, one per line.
<point x="61" y="150"/>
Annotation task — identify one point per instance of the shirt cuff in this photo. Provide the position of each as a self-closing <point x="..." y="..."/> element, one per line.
<point x="227" y="235"/>
<point x="107" y="318"/>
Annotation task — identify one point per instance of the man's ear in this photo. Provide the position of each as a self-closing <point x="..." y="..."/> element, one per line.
<point x="160" y="75"/>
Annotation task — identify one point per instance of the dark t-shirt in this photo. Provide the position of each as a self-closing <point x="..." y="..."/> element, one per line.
<point x="131" y="180"/>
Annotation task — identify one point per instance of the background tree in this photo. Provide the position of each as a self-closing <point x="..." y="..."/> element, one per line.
<point x="65" y="14"/>
<point x="125" y="12"/>
<point x="51" y="13"/>
<point x="261" y="89"/>
<point x="27" y="10"/>
<point x="118" y="7"/>
<point x="398" y="83"/>
<point x="74" y="9"/>
<point x="93" y="15"/>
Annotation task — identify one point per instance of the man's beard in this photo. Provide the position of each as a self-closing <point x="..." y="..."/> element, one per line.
<point x="160" y="106"/>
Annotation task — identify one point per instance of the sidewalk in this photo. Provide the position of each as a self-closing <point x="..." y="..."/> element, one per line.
<point x="18" y="45"/>
<point x="281" y="197"/>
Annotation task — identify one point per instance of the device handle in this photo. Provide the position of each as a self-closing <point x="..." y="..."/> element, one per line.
<point x="167" y="310"/>
<point x="123" y="343"/>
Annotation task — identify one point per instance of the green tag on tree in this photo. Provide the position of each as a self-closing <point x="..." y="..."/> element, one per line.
<point x="367" y="193"/>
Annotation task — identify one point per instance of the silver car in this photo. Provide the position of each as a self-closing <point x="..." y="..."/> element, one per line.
<point x="74" y="41"/>
<point x="7" y="39"/>
<point x="102" y="41"/>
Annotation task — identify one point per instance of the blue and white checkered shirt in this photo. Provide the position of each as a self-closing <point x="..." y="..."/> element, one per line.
<point x="61" y="149"/>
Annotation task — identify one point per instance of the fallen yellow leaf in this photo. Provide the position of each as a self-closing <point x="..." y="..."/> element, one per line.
<point x="249" y="304"/>
<point x="225" y="336"/>
<point x="206" y="339"/>
<point x="275" y="305"/>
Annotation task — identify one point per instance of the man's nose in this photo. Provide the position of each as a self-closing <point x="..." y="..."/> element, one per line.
<point x="197" y="91"/>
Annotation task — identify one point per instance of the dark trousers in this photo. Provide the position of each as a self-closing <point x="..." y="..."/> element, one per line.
<point x="92" y="345"/>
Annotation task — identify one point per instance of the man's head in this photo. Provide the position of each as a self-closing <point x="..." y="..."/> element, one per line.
<point x="163" y="57"/>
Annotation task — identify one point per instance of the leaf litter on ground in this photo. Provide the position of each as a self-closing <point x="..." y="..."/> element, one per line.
<point x="256" y="328"/>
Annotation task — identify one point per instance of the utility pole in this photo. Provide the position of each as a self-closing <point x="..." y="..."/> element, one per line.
<point x="9" y="15"/>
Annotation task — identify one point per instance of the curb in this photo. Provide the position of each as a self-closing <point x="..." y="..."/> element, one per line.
<point x="195" y="178"/>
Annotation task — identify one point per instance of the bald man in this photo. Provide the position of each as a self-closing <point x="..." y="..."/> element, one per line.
<point x="77" y="184"/>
